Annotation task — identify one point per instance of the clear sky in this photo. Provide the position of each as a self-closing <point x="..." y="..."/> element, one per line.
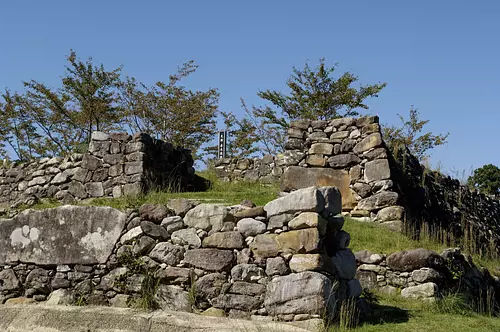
<point x="441" y="56"/>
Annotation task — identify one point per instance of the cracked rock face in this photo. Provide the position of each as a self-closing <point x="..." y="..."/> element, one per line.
<point x="43" y="237"/>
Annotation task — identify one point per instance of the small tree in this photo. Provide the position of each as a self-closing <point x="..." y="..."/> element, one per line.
<point x="486" y="179"/>
<point x="410" y="135"/>
<point x="314" y="94"/>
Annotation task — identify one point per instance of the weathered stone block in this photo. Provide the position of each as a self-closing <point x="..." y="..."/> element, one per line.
<point x="225" y="240"/>
<point x="306" y="199"/>
<point x="86" y="228"/>
<point x="296" y="177"/>
<point x="377" y="170"/>
<point x="299" y="293"/>
<point x="209" y="259"/>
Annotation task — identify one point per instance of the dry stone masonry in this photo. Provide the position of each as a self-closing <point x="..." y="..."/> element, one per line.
<point x="396" y="191"/>
<point x="426" y="275"/>
<point x="288" y="260"/>
<point x="116" y="164"/>
<point x="266" y="170"/>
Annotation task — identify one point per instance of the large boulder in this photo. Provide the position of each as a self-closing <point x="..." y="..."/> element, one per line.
<point x="236" y="302"/>
<point x="299" y="293"/>
<point x="406" y="261"/>
<point x="64" y="235"/>
<point x="170" y="297"/>
<point x="379" y="200"/>
<point x="296" y="177"/>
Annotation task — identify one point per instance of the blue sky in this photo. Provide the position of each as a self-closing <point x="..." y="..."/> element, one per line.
<point x="441" y="56"/>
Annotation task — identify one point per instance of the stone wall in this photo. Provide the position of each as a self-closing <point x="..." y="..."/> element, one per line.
<point x="266" y="170"/>
<point x="350" y="154"/>
<point x="425" y="274"/>
<point x="115" y="165"/>
<point x="282" y="260"/>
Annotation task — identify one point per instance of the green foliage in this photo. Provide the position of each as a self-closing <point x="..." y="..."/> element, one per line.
<point x="410" y="136"/>
<point x="314" y="94"/>
<point x="486" y="179"/>
<point x="170" y="111"/>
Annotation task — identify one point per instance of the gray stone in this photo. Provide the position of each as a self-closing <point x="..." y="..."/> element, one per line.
<point x="38" y="281"/>
<point x="167" y="253"/>
<point x="316" y="160"/>
<point x="132" y="189"/>
<point x="367" y="257"/>
<point x="250" y="227"/>
<point x="173" y="275"/>
<point x="236" y="301"/>
<point x="186" y="236"/>
<point x="276" y="266"/>
<point x="44" y="235"/>
<point x="339" y="135"/>
<point x="94" y="189"/>
<point x="278" y="221"/>
<point x="208" y="217"/>
<point x="345" y="264"/>
<point x="311" y="262"/>
<point x="91" y="163"/>
<point x="143" y="246"/>
<point x="362" y="189"/>
<point x="378" y="153"/>
<point x="321" y="148"/>
<point x="153" y="212"/>
<point x="309" y="220"/>
<point x="377" y="170"/>
<point x="120" y="301"/>
<point x="225" y="240"/>
<point x="59" y="178"/>
<point x="246" y="288"/>
<point x="302" y="200"/>
<point x="209" y="259"/>
<point x="209" y="286"/>
<point x="99" y="136"/>
<point x="247" y="272"/>
<point x="370" y="142"/>
<point x="414" y="259"/>
<point x="378" y="201"/>
<point x="249" y="213"/>
<point x="343" y="160"/>
<point x="367" y="279"/>
<point x="299" y="293"/>
<point x="423" y="291"/>
<point x="170" y="297"/>
<point x="426" y="275"/>
<point x="153" y="230"/>
<point x="61" y="297"/>
<point x="390" y="213"/>
<point x="296" y="177"/>
<point x="131" y="235"/>
<point x="8" y="280"/>
<point x="77" y="189"/>
<point x="405" y="261"/>
<point x="180" y="206"/>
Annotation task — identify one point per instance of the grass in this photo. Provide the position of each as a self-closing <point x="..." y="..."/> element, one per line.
<point x="227" y="193"/>
<point x="380" y="240"/>
<point x="399" y="314"/>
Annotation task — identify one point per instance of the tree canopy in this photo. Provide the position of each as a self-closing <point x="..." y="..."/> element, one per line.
<point x="315" y="93"/>
<point x="45" y="121"/>
<point x="486" y="179"/>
